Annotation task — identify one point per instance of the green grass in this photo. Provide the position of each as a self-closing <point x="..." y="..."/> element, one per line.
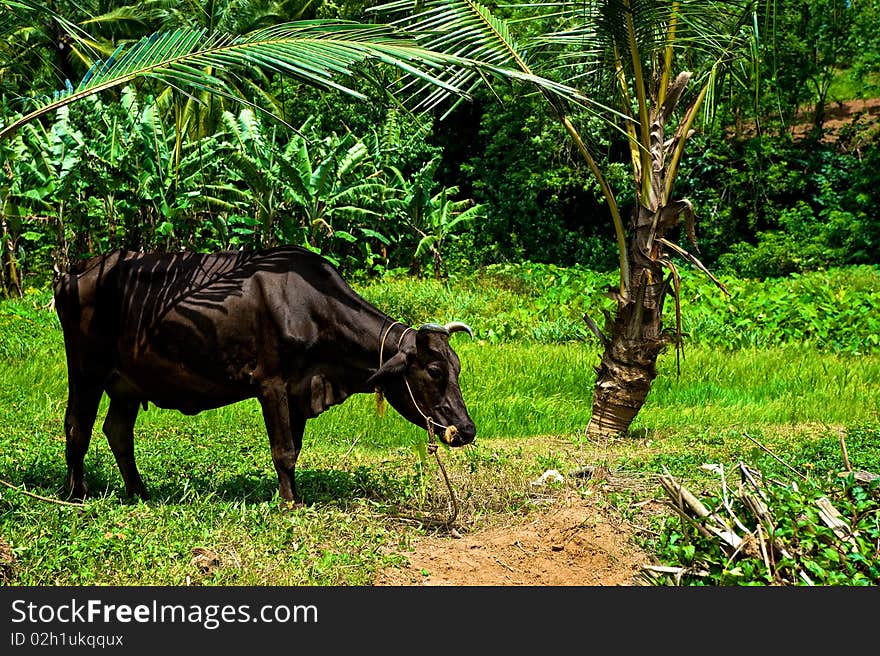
<point x="751" y="388"/>
<point x="846" y="86"/>
<point x="832" y="311"/>
<point x="214" y="487"/>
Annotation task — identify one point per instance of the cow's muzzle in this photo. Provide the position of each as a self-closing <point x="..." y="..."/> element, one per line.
<point x="452" y="436"/>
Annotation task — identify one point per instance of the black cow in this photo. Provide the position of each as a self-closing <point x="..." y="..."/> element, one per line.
<point x="194" y="331"/>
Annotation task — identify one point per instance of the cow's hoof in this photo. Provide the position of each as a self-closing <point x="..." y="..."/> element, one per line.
<point x="138" y="494"/>
<point x="78" y="492"/>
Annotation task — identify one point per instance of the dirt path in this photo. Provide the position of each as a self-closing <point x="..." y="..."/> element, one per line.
<point x="571" y="542"/>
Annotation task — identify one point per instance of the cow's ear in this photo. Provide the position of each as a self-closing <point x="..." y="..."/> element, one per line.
<point x="394" y="367"/>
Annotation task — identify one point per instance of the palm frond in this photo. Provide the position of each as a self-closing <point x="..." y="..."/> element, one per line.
<point x="470" y="31"/>
<point x="704" y="30"/>
<point x="321" y="53"/>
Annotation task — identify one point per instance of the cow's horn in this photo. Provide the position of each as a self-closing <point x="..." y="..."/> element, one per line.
<point x="433" y="328"/>
<point x="458" y="326"/>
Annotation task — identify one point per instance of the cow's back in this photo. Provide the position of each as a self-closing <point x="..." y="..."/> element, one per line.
<point x="94" y="294"/>
<point x="188" y="330"/>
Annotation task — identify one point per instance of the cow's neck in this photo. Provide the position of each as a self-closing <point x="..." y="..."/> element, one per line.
<point x="363" y="344"/>
<point x="350" y="356"/>
<point x="391" y="340"/>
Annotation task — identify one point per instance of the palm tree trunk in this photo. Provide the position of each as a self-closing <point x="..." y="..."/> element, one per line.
<point x="635" y="337"/>
<point x="9" y="277"/>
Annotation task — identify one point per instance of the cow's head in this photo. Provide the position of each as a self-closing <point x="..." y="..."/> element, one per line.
<point x="421" y="381"/>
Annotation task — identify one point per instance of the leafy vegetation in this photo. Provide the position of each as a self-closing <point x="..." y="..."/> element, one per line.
<point x="809" y="550"/>
<point x="834" y="310"/>
<point x="214" y="518"/>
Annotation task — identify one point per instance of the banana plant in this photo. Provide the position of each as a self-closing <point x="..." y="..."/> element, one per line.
<point x="44" y="188"/>
<point x="255" y="162"/>
<point x="111" y="182"/>
<point x="433" y="216"/>
<point x="440" y="223"/>
<point x="170" y="188"/>
<point x="313" y="190"/>
<point x="150" y="193"/>
<point x="334" y="186"/>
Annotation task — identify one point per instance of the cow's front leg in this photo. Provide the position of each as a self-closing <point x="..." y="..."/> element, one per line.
<point x="119" y="429"/>
<point x="285" y="431"/>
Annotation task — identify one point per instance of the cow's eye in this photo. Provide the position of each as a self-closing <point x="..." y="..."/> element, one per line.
<point x="435" y="371"/>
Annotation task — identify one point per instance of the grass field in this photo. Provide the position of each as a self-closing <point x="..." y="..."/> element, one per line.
<point x="214" y="488"/>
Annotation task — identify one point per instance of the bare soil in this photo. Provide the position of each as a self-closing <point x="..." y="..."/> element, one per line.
<point x="863" y="114"/>
<point x="851" y="124"/>
<point x="573" y="541"/>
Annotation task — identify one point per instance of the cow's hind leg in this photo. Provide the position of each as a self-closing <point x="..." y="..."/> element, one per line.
<point x="119" y="429"/>
<point x="79" y="420"/>
<point x="285" y="431"/>
<point x="297" y="428"/>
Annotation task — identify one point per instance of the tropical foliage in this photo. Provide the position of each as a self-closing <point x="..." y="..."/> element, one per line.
<point x="513" y="157"/>
<point x="457" y="136"/>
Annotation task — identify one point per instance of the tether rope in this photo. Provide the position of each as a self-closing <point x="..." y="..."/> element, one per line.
<point x="432" y="446"/>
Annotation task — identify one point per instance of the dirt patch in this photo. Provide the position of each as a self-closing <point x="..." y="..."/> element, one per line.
<point x="839" y="113"/>
<point x="852" y="124"/>
<point x="571" y="542"/>
<point x="7" y="562"/>
<point x="860" y="114"/>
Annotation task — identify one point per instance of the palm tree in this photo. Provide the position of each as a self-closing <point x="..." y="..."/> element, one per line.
<point x="648" y="67"/>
